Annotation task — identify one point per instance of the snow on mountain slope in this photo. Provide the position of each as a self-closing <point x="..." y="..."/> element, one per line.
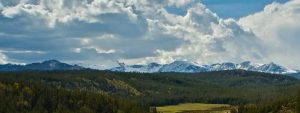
<point x="222" y="66"/>
<point x="182" y="66"/>
<point x="176" y="66"/>
<point x="150" y="68"/>
<point x="190" y="67"/>
<point x="247" y="65"/>
<point x="274" y="68"/>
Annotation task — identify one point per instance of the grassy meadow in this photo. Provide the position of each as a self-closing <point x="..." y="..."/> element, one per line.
<point x="195" y="108"/>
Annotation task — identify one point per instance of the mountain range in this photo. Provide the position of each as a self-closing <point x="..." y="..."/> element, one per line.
<point x="176" y="66"/>
<point x="191" y="67"/>
<point x="45" y="65"/>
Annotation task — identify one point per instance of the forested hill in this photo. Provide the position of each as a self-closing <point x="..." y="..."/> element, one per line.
<point x="235" y="87"/>
<point x="20" y="97"/>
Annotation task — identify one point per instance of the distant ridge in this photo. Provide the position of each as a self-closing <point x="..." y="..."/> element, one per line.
<point x="176" y="66"/>
<point x="45" y="65"/>
<point x="190" y="67"/>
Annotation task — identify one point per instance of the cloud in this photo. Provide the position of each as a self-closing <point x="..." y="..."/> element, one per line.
<point x="97" y="50"/>
<point x="63" y="11"/>
<point x="2" y="58"/>
<point x="278" y="27"/>
<point x="179" y="3"/>
<point x="100" y="32"/>
<point x="206" y="38"/>
<point x="1" y="6"/>
<point x="137" y="29"/>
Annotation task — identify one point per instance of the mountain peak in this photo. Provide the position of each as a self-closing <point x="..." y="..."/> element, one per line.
<point x="45" y="65"/>
<point x="154" y="64"/>
<point x="189" y="67"/>
<point x="54" y="64"/>
<point x="181" y="66"/>
<point x="246" y="63"/>
<point x="179" y="62"/>
<point x="51" y="61"/>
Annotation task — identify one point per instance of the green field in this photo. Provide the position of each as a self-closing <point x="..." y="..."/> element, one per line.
<point x="195" y="108"/>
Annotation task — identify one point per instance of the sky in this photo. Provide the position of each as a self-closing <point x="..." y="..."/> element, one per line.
<point x="237" y="8"/>
<point x="98" y="33"/>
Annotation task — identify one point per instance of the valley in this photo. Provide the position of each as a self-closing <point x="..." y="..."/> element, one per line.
<point x="149" y="56"/>
<point x="250" y="92"/>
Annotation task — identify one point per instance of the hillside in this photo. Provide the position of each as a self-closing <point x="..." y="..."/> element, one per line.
<point x="19" y="97"/>
<point x="236" y="87"/>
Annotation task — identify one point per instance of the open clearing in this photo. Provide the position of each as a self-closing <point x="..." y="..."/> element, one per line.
<point x="195" y="108"/>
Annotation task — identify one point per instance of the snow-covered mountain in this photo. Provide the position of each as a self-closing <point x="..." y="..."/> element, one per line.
<point x="190" y="67"/>
<point x="176" y="66"/>
<point x="182" y="66"/>
<point x="149" y="68"/>
<point x="222" y="66"/>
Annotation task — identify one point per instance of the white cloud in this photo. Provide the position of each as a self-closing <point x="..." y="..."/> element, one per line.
<point x="1" y="6"/>
<point x="97" y="50"/>
<point x="278" y="27"/>
<point x="179" y="3"/>
<point x="2" y="59"/>
<point x="207" y="38"/>
<point x="22" y="51"/>
<point x="136" y="31"/>
<point x="65" y="11"/>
